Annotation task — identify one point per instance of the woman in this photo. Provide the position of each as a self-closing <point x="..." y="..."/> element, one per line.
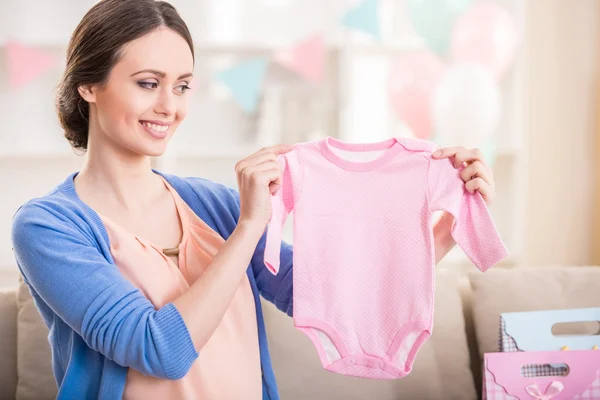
<point x="149" y="282"/>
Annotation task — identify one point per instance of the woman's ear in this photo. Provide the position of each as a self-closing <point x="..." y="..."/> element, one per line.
<point x="88" y="93"/>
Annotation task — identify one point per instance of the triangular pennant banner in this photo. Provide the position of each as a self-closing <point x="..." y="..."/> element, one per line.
<point x="364" y="18"/>
<point x="26" y="63"/>
<point x="306" y="58"/>
<point x="244" y="81"/>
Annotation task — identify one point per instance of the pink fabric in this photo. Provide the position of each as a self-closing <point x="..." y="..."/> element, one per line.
<point x="364" y="250"/>
<point x="228" y="366"/>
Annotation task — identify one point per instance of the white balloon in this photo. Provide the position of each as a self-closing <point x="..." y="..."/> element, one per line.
<point x="466" y="106"/>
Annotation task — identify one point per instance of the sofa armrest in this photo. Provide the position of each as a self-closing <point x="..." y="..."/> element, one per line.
<point x="8" y="344"/>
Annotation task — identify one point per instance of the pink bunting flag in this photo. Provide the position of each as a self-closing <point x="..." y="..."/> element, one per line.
<point x="26" y="63"/>
<point x="306" y="58"/>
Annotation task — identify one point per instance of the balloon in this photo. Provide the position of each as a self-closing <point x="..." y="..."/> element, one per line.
<point x="466" y="106"/>
<point x="486" y="34"/>
<point x="412" y="84"/>
<point x="434" y="20"/>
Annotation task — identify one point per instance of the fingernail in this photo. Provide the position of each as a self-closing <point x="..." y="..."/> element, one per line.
<point x="437" y="153"/>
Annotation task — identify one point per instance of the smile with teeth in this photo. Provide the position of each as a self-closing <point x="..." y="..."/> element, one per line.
<point x="154" y="127"/>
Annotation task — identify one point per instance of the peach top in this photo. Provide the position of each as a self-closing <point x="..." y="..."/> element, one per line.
<point x="228" y="365"/>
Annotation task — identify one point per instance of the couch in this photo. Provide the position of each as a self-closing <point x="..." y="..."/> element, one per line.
<point x="448" y="366"/>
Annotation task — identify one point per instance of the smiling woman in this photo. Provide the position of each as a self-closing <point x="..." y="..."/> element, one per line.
<point x="150" y="283"/>
<point x="137" y="272"/>
<point x="112" y="63"/>
<point x="118" y="101"/>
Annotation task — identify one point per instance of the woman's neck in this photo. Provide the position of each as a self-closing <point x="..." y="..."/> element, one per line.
<point x="121" y="178"/>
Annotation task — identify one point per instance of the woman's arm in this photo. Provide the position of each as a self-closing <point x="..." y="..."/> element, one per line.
<point x="443" y="240"/>
<point x="60" y="261"/>
<point x="203" y="305"/>
<point x="275" y="288"/>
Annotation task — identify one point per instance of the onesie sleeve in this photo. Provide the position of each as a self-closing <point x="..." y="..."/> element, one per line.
<point x="473" y="229"/>
<point x="282" y="204"/>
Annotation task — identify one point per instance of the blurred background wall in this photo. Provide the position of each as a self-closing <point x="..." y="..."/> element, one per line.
<point x="359" y="71"/>
<point x="563" y="44"/>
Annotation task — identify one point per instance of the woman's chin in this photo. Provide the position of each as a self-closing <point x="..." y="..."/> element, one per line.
<point x="155" y="148"/>
<point x="151" y="149"/>
<point x="155" y="152"/>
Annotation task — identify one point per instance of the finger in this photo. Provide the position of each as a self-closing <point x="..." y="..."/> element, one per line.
<point x="275" y="184"/>
<point x="255" y="159"/>
<point x="274" y="178"/>
<point x="446" y="152"/>
<point x="461" y="155"/>
<point x="277" y="149"/>
<point x="263" y="173"/>
<point x="468" y="156"/>
<point x="271" y="177"/>
<point x="477" y="170"/>
<point x="481" y="186"/>
<point x="451" y="152"/>
<point x="271" y="153"/>
<point x="265" y="166"/>
<point x="474" y="185"/>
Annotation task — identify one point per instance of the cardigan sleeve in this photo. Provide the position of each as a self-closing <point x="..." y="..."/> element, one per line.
<point x="63" y="265"/>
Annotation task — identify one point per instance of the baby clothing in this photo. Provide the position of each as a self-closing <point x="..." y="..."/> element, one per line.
<point x="233" y="349"/>
<point x="364" y="257"/>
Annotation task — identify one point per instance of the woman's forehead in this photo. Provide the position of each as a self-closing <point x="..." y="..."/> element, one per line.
<point x="162" y="49"/>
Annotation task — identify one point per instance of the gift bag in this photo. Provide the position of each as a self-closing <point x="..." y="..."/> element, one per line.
<point x="532" y="331"/>
<point x="503" y="376"/>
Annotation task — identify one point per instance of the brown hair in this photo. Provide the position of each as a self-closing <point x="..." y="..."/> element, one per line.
<point x="95" y="47"/>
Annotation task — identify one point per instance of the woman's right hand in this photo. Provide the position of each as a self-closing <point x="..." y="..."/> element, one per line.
<point x="258" y="177"/>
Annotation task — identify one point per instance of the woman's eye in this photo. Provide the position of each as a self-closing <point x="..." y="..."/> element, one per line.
<point x="148" y="85"/>
<point x="184" y="88"/>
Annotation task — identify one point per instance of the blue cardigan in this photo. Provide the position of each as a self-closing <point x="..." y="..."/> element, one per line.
<point x="100" y="324"/>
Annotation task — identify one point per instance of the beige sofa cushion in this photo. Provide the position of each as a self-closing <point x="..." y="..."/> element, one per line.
<point x="441" y="369"/>
<point x="528" y="289"/>
<point x="34" y="365"/>
<point x="8" y="344"/>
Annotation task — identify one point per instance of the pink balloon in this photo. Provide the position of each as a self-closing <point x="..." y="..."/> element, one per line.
<point x="411" y="87"/>
<point x="488" y="35"/>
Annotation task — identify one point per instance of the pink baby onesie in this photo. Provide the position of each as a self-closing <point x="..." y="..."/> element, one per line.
<point x="228" y="366"/>
<point x="364" y="259"/>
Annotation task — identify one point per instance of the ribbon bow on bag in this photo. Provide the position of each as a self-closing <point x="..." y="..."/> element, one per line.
<point x="553" y="389"/>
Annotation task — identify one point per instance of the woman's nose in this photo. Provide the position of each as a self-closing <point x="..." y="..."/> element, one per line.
<point x="166" y="103"/>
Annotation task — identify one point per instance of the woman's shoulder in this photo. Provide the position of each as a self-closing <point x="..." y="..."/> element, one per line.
<point x="61" y="207"/>
<point x="55" y="208"/>
<point x="52" y="203"/>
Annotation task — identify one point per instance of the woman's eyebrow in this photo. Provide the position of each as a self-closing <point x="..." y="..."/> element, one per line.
<point x="160" y="73"/>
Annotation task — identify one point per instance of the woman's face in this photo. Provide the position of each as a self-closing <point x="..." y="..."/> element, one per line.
<point x="145" y="99"/>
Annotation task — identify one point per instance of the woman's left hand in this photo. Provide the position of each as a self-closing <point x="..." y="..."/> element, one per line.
<point x="477" y="174"/>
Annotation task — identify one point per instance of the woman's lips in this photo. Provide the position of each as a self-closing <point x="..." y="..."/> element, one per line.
<point x="156" y="129"/>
